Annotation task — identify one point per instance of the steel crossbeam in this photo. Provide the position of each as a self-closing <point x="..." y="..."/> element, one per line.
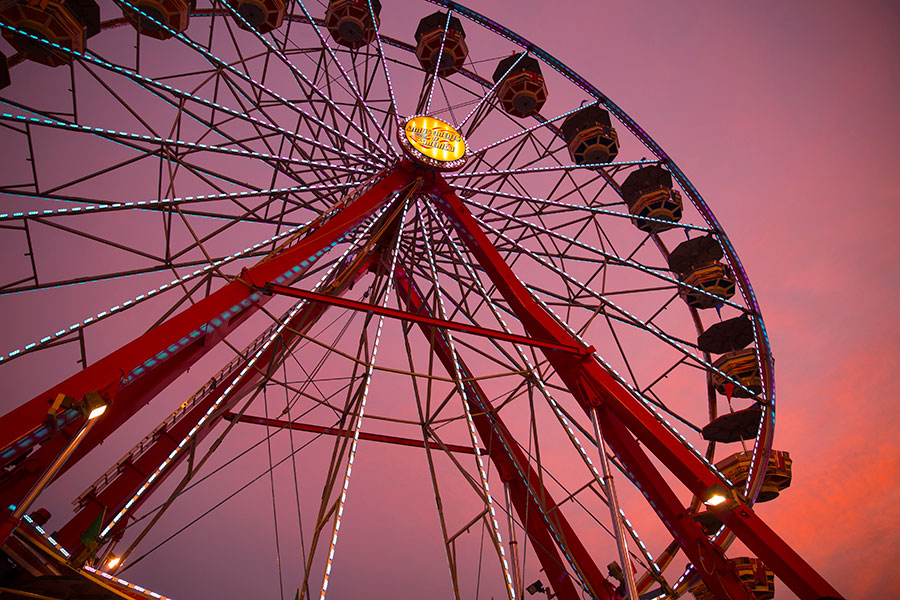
<point x="547" y="528"/>
<point x="195" y="327"/>
<point x="592" y="385"/>
<point x="423" y="319"/>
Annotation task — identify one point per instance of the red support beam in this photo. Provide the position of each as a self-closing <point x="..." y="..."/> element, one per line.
<point x="592" y="385"/>
<point x="424" y="319"/>
<point x="372" y="437"/>
<point x="132" y="375"/>
<point x="128" y="480"/>
<point x="546" y="527"/>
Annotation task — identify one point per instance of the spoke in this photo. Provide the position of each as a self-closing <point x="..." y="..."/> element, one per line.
<point x="362" y="407"/>
<point x="527" y="130"/>
<point x="490" y="91"/>
<point x="437" y="65"/>
<point x="565" y="206"/>
<point x="359" y="97"/>
<point x="461" y="389"/>
<point x="299" y="73"/>
<point x="384" y="61"/>
<point x="115" y="135"/>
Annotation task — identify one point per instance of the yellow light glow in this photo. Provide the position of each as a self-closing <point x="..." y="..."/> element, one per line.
<point x="113" y="562"/>
<point x="435" y="139"/>
<point x="715" y="500"/>
<point x="97" y="412"/>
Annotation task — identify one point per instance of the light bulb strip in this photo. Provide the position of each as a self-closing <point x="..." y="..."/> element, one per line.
<point x="370" y="369"/>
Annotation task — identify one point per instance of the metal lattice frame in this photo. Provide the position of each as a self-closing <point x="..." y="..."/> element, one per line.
<point x="273" y="167"/>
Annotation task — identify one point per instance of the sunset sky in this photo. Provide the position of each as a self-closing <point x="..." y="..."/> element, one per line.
<point x="784" y="115"/>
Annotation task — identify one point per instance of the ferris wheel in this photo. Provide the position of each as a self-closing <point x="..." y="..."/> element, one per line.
<point x="388" y="261"/>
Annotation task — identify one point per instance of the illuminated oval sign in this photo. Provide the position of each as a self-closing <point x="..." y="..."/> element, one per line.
<point x="433" y="142"/>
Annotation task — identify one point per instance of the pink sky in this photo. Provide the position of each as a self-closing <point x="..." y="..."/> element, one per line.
<point x="783" y="116"/>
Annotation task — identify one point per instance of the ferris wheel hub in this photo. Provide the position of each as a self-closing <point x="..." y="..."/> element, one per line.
<point x="433" y="143"/>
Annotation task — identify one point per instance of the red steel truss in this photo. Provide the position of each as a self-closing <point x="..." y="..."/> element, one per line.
<point x="532" y="501"/>
<point x="626" y="419"/>
<point x="129" y="377"/>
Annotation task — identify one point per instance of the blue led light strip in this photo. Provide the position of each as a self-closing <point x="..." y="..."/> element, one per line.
<point x="182" y="94"/>
<point x="177" y="143"/>
<point x="131" y="586"/>
<point x="576" y="207"/>
<point x="156" y="204"/>
<point x="237" y="380"/>
<point x="45" y="535"/>
<point x="146" y="295"/>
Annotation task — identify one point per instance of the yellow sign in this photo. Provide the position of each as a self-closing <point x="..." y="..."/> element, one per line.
<point x="433" y="142"/>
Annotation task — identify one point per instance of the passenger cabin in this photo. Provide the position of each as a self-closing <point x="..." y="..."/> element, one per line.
<point x="734" y="426"/>
<point x="430" y="36"/>
<point x="756" y="577"/>
<point x="649" y="194"/>
<point x="4" y="71"/>
<point x="350" y="22"/>
<point x="727" y="336"/>
<point x="696" y="261"/>
<point x="590" y="136"/>
<point x="743" y="367"/>
<point x="67" y="23"/>
<point x="778" y="473"/>
<point x="258" y="15"/>
<point x="170" y="13"/>
<point x="523" y="91"/>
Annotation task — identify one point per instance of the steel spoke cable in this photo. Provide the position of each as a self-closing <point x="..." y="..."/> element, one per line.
<point x="347" y="77"/>
<point x="528" y="130"/>
<point x="490" y="91"/>
<point x="235" y="383"/>
<point x="565" y="206"/>
<point x="218" y="504"/>
<point x="614" y="258"/>
<point x="91" y="205"/>
<point x="216" y="61"/>
<point x="362" y="405"/>
<point x="538" y="499"/>
<point x="150" y="83"/>
<point x="272" y="488"/>
<point x="635" y="321"/>
<point x="146" y="295"/>
<point x="569" y="167"/>
<point x="565" y="422"/>
<point x="113" y="134"/>
<point x="448" y="336"/>
<point x="290" y="65"/>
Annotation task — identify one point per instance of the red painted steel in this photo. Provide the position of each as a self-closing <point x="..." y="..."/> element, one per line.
<point x="524" y="483"/>
<point x="372" y="437"/>
<point x="592" y="385"/>
<point x="107" y="374"/>
<point x="133" y="475"/>
<point x="427" y="320"/>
